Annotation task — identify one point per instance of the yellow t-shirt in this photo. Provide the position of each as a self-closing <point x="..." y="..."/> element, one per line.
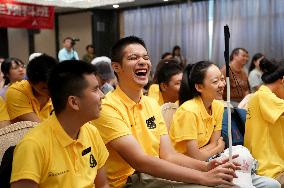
<point x="264" y="134"/>
<point x="192" y="122"/>
<point x="49" y="157"/>
<point x="20" y="100"/>
<point x="4" y="116"/>
<point x="155" y="93"/>
<point x="120" y="116"/>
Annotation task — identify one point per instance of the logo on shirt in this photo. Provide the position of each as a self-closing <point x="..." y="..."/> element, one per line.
<point x="86" y="151"/>
<point x="151" y="123"/>
<point x="52" y="174"/>
<point x="93" y="161"/>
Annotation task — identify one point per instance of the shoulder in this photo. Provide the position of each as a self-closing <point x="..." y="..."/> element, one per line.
<point x="19" y="88"/>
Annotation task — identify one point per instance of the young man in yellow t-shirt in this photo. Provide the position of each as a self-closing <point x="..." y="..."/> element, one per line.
<point x="29" y="100"/>
<point x="64" y="150"/>
<point x="135" y="134"/>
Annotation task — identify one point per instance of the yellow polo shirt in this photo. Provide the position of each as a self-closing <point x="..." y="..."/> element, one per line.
<point x="4" y="116"/>
<point x="49" y="157"/>
<point x="120" y="116"/>
<point x="155" y="93"/>
<point x="20" y="100"/>
<point x="192" y="122"/>
<point x="264" y="134"/>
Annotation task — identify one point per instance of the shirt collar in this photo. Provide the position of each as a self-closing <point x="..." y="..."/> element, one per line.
<point x="63" y="138"/>
<point x="129" y="103"/>
<point x="203" y="111"/>
<point x="264" y="88"/>
<point x="29" y="90"/>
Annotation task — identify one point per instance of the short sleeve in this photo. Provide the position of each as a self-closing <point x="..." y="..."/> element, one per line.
<point x="4" y="116"/>
<point x="266" y="101"/>
<point x="17" y="103"/>
<point x="184" y="126"/>
<point x="27" y="161"/>
<point x="111" y="124"/>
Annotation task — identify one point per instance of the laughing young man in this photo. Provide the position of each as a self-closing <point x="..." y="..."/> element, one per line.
<point x="135" y="134"/>
<point x="64" y="150"/>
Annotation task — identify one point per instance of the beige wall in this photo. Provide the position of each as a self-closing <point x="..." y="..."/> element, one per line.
<point x="77" y="25"/>
<point x="45" y="42"/>
<point x="18" y="44"/>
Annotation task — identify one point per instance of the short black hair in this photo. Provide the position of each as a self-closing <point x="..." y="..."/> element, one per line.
<point x="236" y="51"/>
<point x="89" y="46"/>
<point x="7" y="65"/>
<point x="167" y="69"/>
<point x="165" y="55"/>
<point x="67" y="79"/>
<point x="67" y="38"/>
<point x="39" y="68"/>
<point x="117" y="49"/>
<point x="272" y="70"/>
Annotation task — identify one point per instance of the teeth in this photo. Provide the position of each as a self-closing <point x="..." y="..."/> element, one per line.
<point x="141" y="71"/>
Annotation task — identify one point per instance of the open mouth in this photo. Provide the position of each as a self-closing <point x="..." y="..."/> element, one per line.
<point x="141" y="72"/>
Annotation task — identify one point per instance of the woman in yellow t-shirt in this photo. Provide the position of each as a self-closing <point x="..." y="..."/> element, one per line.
<point x="264" y="134"/>
<point x="196" y="127"/>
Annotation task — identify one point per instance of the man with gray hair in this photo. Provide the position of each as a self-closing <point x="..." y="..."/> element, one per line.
<point x="105" y="74"/>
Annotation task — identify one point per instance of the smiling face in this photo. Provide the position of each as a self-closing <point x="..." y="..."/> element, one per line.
<point x="171" y="89"/>
<point x="213" y="84"/>
<point x="90" y="100"/>
<point x="135" y="67"/>
<point x="242" y="57"/>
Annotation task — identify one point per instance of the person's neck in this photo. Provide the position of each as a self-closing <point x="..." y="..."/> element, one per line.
<point x="42" y="99"/>
<point x="68" y="49"/>
<point x="70" y="123"/>
<point x="207" y="105"/>
<point x="236" y="66"/>
<point x="133" y="93"/>
<point x="167" y="98"/>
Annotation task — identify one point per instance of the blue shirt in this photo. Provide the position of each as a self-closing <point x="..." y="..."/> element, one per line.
<point x="64" y="54"/>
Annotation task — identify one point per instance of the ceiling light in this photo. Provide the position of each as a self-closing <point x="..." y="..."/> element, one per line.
<point x="115" y="6"/>
<point x="166" y="0"/>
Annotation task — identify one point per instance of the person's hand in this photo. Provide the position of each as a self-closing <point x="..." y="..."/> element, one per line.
<point x="215" y="163"/>
<point x="223" y="174"/>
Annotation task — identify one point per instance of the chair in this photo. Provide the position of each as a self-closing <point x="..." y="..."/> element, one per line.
<point x="168" y="110"/>
<point x="9" y="137"/>
<point x="12" y="134"/>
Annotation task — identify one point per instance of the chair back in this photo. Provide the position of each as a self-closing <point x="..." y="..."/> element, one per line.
<point x="12" y="134"/>
<point x="168" y="110"/>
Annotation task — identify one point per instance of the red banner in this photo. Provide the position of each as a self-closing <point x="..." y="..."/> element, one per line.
<point x="23" y="15"/>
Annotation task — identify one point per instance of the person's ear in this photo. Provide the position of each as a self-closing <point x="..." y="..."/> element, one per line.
<point x="73" y="102"/>
<point x="163" y="87"/>
<point x="116" y="66"/>
<point x="199" y="87"/>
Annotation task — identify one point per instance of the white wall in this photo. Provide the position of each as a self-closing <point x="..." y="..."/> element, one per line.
<point x="74" y="25"/>
<point x="18" y="44"/>
<point x="77" y="25"/>
<point x="45" y="42"/>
